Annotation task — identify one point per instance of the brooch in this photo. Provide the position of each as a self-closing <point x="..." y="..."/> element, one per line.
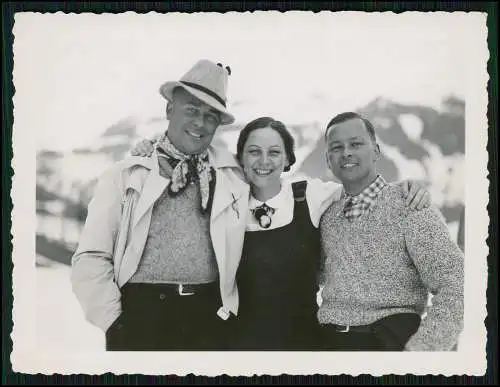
<point x="263" y="215"/>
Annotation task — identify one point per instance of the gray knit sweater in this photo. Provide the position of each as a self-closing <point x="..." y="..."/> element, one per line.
<point x="385" y="262"/>
<point x="178" y="248"/>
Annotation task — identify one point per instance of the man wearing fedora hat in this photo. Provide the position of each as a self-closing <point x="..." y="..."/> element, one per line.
<point x="152" y="267"/>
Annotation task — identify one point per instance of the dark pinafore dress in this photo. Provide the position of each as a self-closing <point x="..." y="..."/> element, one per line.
<point x="277" y="283"/>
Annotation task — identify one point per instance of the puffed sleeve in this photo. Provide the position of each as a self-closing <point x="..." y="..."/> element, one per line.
<point x="320" y="195"/>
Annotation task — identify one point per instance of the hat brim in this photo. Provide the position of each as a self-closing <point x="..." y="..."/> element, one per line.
<point x="167" y="88"/>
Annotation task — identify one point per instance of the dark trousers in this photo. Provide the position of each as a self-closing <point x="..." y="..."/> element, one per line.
<point x="157" y="318"/>
<point x="273" y="331"/>
<point x="388" y="334"/>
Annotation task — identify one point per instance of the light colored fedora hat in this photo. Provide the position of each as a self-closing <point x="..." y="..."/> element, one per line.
<point x="207" y="81"/>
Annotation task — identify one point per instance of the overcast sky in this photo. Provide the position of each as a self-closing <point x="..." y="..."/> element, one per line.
<point x="77" y="74"/>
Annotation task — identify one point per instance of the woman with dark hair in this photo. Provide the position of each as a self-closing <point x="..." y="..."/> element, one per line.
<point x="279" y="266"/>
<point x="277" y="274"/>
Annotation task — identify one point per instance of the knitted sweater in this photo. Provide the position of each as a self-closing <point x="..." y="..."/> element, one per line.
<point x="178" y="248"/>
<point x="386" y="262"/>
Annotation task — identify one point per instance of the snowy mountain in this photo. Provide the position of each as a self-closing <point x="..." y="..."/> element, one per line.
<point x="417" y="142"/>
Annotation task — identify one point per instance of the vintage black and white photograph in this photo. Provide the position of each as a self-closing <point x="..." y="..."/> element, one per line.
<point x="250" y="193"/>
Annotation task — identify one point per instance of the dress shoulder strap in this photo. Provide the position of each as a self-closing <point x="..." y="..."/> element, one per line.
<point x="299" y="190"/>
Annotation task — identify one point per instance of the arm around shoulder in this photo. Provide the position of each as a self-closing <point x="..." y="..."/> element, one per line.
<point x="320" y="195"/>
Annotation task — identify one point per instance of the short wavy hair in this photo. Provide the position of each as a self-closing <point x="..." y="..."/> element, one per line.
<point x="278" y="126"/>
<point x="342" y="117"/>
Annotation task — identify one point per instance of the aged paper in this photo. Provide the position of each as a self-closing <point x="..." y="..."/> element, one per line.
<point x="77" y="74"/>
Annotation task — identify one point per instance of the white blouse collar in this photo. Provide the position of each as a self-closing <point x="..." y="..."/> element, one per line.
<point x="277" y="201"/>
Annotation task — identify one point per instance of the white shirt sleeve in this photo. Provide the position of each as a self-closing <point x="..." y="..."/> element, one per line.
<point x="320" y="195"/>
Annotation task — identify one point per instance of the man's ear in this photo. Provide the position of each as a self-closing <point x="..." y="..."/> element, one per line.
<point x="378" y="153"/>
<point x="169" y="110"/>
<point x="328" y="161"/>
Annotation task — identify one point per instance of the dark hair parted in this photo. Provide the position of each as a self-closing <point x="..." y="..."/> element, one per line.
<point x="278" y="126"/>
<point x="342" y="117"/>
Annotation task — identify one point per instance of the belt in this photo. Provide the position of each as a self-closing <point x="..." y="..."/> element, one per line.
<point x="349" y="328"/>
<point x="163" y="291"/>
<point x="187" y="289"/>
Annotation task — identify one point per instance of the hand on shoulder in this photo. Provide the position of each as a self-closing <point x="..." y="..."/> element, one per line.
<point x="416" y="194"/>
<point x="145" y="147"/>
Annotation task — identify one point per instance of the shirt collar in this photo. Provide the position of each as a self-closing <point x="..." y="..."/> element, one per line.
<point x="276" y="201"/>
<point x="370" y="192"/>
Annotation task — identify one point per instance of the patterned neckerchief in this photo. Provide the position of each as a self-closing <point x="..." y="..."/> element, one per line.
<point x="357" y="205"/>
<point x="187" y="169"/>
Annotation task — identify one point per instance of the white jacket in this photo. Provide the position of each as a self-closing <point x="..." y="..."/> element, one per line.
<point x="117" y="225"/>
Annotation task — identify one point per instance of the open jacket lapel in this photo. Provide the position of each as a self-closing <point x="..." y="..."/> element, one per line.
<point x="228" y="192"/>
<point x="230" y="186"/>
<point x="227" y="221"/>
<point x="153" y="187"/>
<point x="227" y="228"/>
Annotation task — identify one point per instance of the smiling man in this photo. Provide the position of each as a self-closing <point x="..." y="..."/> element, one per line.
<point x="382" y="259"/>
<point x="152" y="268"/>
